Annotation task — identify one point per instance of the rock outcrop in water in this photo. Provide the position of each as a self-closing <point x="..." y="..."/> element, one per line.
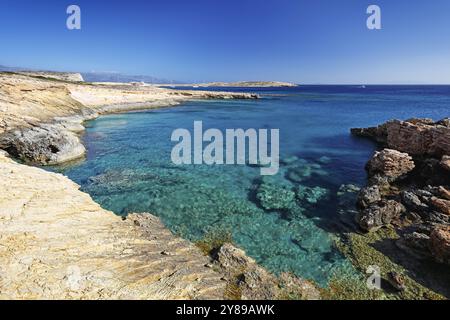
<point x="409" y="185"/>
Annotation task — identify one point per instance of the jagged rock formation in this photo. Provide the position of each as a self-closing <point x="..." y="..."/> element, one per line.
<point x="390" y="164"/>
<point x="247" y="84"/>
<point x="44" y="144"/>
<point x="409" y="185"/>
<point x="413" y="136"/>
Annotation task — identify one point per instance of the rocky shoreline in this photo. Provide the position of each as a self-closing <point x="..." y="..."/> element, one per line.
<point x="42" y="116"/>
<point x="57" y="243"/>
<point x="409" y="188"/>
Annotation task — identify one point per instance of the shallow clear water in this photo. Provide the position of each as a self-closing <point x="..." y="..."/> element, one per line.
<point x="128" y="168"/>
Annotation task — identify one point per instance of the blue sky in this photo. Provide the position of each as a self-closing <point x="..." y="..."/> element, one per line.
<point x="315" y="41"/>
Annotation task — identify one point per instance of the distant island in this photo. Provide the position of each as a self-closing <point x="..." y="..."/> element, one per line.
<point x="247" y="84"/>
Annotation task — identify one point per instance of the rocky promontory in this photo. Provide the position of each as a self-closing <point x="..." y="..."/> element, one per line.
<point x="57" y="243"/>
<point x="41" y="113"/>
<point x="409" y="185"/>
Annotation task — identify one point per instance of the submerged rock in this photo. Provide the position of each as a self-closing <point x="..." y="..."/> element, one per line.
<point x="445" y="162"/>
<point x="311" y="195"/>
<point x="302" y="170"/>
<point x="289" y="160"/>
<point x="275" y="197"/>
<point x="396" y="280"/>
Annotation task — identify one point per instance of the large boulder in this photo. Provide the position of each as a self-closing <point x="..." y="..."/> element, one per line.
<point x="389" y="163"/>
<point x="440" y="243"/>
<point x="253" y="282"/>
<point x="441" y="205"/>
<point x="368" y="196"/>
<point x="46" y="144"/>
<point x="274" y="196"/>
<point x="379" y="214"/>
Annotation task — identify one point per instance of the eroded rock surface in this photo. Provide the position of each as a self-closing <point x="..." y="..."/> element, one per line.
<point x="440" y="243"/>
<point x="391" y="164"/>
<point x="56" y="243"/>
<point x="41" y="114"/>
<point x="409" y="185"/>
<point x="413" y="136"/>
<point x="253" y="282"/>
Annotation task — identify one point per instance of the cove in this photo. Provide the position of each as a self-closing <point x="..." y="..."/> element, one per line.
<point x="286" y="222"/>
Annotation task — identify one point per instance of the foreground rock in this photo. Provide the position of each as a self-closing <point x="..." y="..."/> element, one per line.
<point x="409" y="185"/>
<point x="43" y="144"/>
<point x="247" y="280"/>
<point x="56" y="243"/>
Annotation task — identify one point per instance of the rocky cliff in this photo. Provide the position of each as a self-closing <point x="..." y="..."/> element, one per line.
<point x="40" y="118"/>
<point x="409" y="185"/>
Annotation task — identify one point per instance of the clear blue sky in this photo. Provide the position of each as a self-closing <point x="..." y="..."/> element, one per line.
<point x="315" y="41"/>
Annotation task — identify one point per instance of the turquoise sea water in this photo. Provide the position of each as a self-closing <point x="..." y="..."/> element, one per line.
<point x="286" y="222"/>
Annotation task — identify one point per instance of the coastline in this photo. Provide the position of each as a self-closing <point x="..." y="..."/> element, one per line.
<point x="59" y="244"/>
<point x="57" y="122"/>
<point x="42" y="117"/>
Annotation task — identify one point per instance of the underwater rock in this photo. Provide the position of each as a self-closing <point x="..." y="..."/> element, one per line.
<point x="311" y="195"/>
<point x="302" y="171"/>
<point x="379" y="214"/>
<point x="324" y="160"/>
<point x="299" y="173"/>
<point x="289" y="160"/>
<point x="391" y="164"/>
<point x="444" y="193"/>
<point x="45" y="144"/>
<point x="275" y="197"/>
<point x="440" y="243"/>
